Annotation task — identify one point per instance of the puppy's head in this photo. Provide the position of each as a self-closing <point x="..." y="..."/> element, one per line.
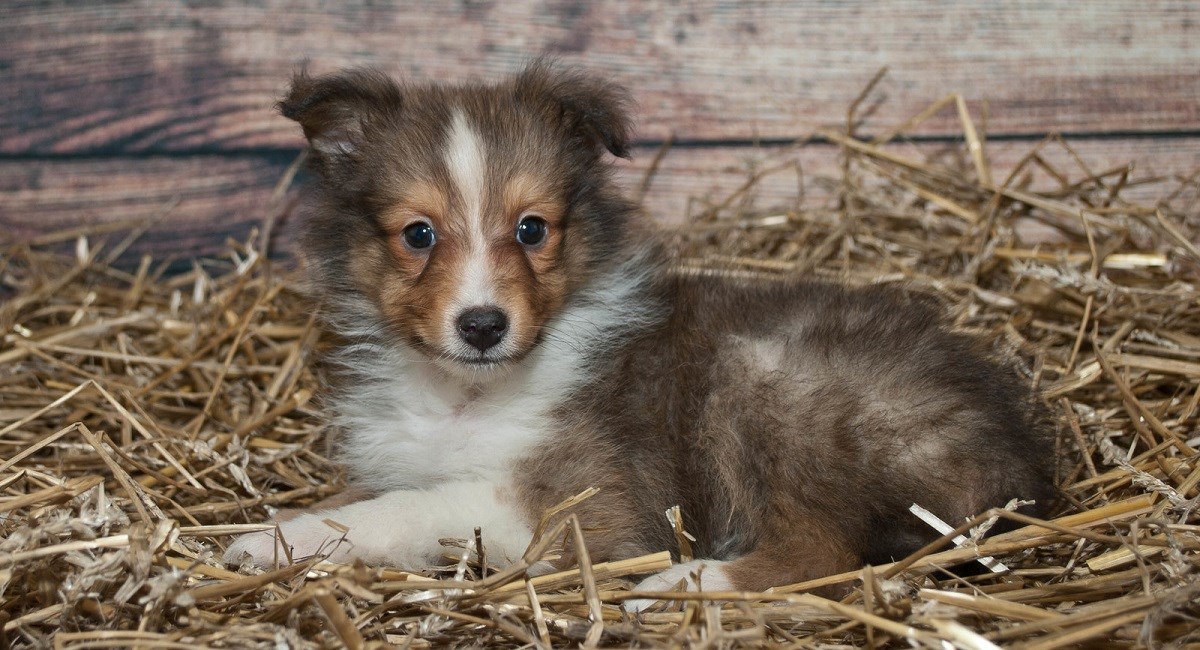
<point x="464" y="215"/>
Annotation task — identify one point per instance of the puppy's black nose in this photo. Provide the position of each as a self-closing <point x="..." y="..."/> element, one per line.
<point x="482" y="327"/>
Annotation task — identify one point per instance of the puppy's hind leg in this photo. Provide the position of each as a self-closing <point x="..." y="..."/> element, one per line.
<point x="789" y="556"/>
<point x="784" y="561"/>
<point x="697" y="575"/>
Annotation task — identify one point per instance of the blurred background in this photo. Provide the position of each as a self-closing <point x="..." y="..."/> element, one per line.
<point x="121" y="111"/>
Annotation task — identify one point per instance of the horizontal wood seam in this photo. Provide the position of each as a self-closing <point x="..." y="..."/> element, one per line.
<point x="284" y="153"/>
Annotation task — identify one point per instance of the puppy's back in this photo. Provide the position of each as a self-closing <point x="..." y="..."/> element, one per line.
<point x="814" y="405"/>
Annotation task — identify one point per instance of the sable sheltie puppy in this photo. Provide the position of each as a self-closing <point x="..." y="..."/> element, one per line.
<point x="514" y="335"/>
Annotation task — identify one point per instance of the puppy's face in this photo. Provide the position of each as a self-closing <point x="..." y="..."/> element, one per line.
<point x="466" y="214"/>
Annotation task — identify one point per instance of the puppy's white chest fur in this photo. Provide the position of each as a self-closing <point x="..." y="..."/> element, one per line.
<point x="408" y="428"/>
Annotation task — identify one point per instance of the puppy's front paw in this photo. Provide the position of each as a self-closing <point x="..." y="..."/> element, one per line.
<point x="696" y="575"/>
<point x="303" y="537"/>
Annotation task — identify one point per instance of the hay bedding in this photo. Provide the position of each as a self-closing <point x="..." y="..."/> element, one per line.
<point x="145" y="419"/>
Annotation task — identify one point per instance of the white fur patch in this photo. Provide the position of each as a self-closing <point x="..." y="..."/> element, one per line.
<point x="762" y="355"/>
<point x="467" y="164"/>
<point x="410" y="425"/>
<point x="466" y="161"/>
<point x="697" y="575"/>
<point x="399" y="528"/>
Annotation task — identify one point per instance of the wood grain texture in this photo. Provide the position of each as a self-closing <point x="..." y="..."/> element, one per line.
<point x="176" y="76"/>
<point x="689" y="182"/>
<point x="199" y="201"/>
<point x="212" y="198"/>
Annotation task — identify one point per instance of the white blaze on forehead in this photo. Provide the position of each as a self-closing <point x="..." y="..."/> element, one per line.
<point x="467" y="163"/>
<point x="468" y="167"/>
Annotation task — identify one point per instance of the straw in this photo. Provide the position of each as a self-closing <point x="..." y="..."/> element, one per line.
<point x="145" y="420"/>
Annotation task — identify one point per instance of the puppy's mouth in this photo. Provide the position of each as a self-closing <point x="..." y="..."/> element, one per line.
<point x="469" y="365"/>
<point x="482" y="362"/>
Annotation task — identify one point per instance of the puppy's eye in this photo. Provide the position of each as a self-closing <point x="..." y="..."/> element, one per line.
<point x="531" y="231"/>
<point x="419" y="236"/>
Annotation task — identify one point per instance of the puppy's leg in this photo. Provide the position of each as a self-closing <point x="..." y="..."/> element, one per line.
<point x="399" y="528"/>
<point x="697" y="575"/>
<point x="780" y="559"/>
<point x="789" y="561"/>
<point x="347" y="496"/>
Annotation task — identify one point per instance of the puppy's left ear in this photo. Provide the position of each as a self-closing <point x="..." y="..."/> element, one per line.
<point x="594" y="109"/>
<point x="335" y="111"/>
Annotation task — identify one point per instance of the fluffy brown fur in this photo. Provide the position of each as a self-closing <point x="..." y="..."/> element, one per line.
<point x="794" y="425"/>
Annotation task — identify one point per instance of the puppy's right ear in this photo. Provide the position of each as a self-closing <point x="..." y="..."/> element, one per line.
<point x="337" y="110"/>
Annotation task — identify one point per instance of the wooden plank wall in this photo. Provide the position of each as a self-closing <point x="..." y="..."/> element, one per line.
<point x="120" y="110"/>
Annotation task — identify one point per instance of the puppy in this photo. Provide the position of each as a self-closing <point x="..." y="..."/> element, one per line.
<point x="514" y="335"/>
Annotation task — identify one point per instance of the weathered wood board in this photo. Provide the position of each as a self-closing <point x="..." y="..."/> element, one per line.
<point x="182" y="76"/>
<point x="203" y="200"/>
<point x="115" y="110"/>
